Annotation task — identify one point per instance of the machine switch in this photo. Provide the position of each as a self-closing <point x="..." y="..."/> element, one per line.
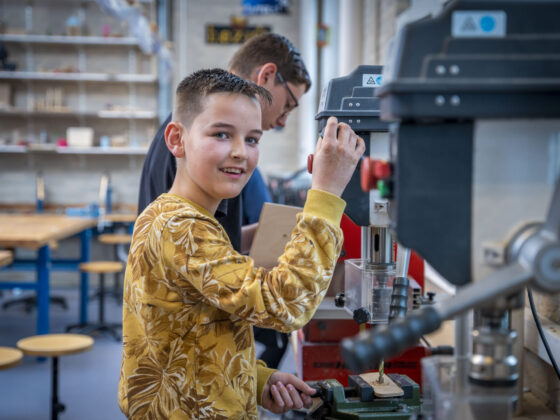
<point x="382" y="169"/>
<point x="385" y="189"/>
<point x="372" y="171"/>
<point x="367" y="180"/>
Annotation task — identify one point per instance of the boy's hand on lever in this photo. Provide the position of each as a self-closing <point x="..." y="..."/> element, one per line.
<point x="284" y="392"/>
<point x="335" y="158"/>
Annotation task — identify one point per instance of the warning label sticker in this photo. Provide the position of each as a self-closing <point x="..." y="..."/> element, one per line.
<point x="478" y="24"/>
<point x="372" y="80"/>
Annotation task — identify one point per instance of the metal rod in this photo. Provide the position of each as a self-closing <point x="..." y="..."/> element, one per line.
<point x="502" y="282"/>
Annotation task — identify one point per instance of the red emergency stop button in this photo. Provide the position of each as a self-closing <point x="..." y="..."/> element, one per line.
<point x="367" y="180"/>
<point x="373" y="170"/>
<point x="381" y="169"/>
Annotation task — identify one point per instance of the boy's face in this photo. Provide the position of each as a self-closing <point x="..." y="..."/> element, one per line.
<point x="221" y="148"/>
<point x="276" y="114"/>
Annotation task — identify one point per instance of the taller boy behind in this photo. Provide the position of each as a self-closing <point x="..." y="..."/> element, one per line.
<point x="190" y="299"/>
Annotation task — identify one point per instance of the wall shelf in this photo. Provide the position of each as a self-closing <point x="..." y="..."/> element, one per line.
<point x="50" y="148"/>
<point x="102" y="114"/>
<point x="78" y="77"/>
<point x="64" y="39"/>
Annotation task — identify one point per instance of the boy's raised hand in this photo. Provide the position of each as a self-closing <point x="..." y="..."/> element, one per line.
<point x="336" y="155"/>
<point x="284" y="392"/>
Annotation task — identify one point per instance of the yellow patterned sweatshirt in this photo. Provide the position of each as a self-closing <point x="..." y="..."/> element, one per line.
<point x="190" y="301"/>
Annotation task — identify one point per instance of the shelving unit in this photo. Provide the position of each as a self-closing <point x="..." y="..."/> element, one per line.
<point x="106" y="114"/>
<point x="68" y="39"/>
<point x="77" y="77"/>
<point x="103" y="82"/>
<point x="51" y="148"/>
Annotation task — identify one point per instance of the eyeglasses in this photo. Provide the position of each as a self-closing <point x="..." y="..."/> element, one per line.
<point x="283" y="81"/>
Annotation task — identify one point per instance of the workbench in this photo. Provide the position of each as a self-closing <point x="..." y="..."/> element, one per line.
<point x="37" y="231"/>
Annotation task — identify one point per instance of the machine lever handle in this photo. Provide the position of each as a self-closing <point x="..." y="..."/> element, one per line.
<point x="366" y="350"/>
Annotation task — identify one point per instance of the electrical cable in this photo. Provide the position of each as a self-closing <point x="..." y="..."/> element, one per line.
<point x="426" y="342"/>
<point x="541" y="332"/>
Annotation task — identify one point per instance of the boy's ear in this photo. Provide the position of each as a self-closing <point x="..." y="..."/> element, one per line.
<point x="266" y="74"/>
<point x="174" y="139"/>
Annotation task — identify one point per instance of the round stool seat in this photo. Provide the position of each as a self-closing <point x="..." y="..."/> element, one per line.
<point x="102" y="267"/>
<point x="115" y="238"/>
<point x="10" y="357"/>
<point x="6" y="257"/>
<point x="49" y="345"/>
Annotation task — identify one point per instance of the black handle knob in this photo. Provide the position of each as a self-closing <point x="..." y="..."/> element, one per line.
<point x="339" y="300"/>
<point x="367" y="349"/>
<point x="361" y="315"/>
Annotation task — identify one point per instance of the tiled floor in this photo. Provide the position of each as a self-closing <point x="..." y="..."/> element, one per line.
<point x="87" y="382"/>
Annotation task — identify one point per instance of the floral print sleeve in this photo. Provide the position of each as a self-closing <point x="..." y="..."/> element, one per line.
<point x="283" y="298"/>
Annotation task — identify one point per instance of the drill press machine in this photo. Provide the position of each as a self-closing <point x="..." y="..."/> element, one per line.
<point x="475" y="166"/>
<point x="376" y="287"/>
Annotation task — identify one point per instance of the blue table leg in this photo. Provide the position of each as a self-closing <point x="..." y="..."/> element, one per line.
<point x="85" y="238"/>
<point x="43" y="270"/>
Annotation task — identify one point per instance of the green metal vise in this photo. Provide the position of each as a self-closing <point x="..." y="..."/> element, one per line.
<point x="358" y="401"/>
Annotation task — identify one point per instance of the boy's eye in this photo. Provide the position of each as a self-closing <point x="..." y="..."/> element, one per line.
<point x="221" y="135"/>
<point x="252" y="140"/>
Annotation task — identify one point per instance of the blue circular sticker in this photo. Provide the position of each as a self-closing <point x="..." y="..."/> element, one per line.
<point x="487" y="23"/>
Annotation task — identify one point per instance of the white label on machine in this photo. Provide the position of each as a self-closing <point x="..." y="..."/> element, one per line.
<point x="479" y="24"/>
<point x="371" y="80"/>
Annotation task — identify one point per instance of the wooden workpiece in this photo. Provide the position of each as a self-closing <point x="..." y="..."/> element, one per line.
<point x="35" y="230"/>
<point x="387" y="389"/>
<point x="6" y="257"/>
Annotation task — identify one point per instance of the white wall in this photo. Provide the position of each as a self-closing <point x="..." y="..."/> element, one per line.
<point x="279" y="149"/>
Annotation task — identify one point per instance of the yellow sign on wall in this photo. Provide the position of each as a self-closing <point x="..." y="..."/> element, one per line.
<point x="220" y="34"/>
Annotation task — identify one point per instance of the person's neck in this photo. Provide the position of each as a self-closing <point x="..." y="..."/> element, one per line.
<point x="192" y="193"/>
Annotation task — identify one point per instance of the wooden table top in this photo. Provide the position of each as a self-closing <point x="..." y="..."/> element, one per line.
<point x="120" y="217"/>
<point x="6" y="257"/>
<point x="35" y="230"/>
<point x="55" y="344"/>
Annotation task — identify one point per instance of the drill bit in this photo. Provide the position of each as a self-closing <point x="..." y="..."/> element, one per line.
<point x="381" y="369"/>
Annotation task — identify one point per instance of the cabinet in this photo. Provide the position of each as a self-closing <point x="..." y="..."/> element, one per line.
<point x="75" y="67"/>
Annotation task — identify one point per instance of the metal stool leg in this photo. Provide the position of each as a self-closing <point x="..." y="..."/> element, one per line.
<point x="101" y="298"/>
<point x="56" y="406"/>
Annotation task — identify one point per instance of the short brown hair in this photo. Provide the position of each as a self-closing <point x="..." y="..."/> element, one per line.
<point x="271" y="48"/>
<point x="197" y="86"/>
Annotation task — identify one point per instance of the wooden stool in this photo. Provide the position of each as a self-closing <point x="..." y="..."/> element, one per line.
<point x="9" y="357"/>
<point x="55" y="345"/>
<point x="119" y="242"/>
<point x="101" y="268"/>
<point x="6" y="257"/>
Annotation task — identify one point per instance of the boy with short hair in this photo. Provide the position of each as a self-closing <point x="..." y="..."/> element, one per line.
<point x="190" y="298"/>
